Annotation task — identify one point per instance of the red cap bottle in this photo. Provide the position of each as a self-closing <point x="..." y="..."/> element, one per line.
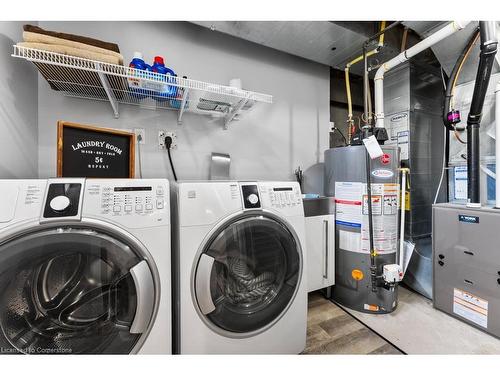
<point x="159" y="60"/>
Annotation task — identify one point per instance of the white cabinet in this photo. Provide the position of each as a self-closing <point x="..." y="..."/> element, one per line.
<point x="320" y="242"/>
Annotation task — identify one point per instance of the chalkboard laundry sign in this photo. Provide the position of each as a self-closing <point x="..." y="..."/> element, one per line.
<point x="90" y="151"/>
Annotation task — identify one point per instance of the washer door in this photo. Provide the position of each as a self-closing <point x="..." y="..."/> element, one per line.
<point x="247" y="274"/>
<point x="73" y="290"/>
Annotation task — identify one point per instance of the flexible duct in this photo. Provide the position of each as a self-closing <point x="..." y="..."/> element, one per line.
<point x="439" y="35"/>
<point x="486" y="58"/>
<point x="453" y="77"/>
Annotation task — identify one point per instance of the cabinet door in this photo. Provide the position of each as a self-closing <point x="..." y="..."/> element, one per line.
<point x="320" y="240"/>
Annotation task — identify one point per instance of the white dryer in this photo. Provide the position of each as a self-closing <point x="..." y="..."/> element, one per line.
<point x="85" y="266"/>
<point x="239" y="250"/>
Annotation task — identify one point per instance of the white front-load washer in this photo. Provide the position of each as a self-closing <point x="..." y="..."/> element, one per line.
<point x="240" y="272"/>
<point x="85" y="266"/>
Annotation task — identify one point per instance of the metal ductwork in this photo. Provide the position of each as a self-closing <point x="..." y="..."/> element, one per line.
<point x="332" y="43"/>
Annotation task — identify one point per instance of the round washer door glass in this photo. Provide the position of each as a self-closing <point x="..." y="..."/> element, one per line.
<point x="247" y="275"/>
<point x="69" y="290"/>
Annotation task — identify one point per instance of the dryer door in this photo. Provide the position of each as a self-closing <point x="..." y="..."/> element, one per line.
<point x="73" y="290"/>
<point x="247" y="274"/>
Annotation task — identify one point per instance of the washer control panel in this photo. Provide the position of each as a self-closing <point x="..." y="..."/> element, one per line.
<point x="282" y="196"/>
<point x="125" y="201"/>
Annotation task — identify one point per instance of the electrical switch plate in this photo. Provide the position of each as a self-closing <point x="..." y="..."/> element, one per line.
<point x="142" y="133"/>
<point x="162" y="134"/>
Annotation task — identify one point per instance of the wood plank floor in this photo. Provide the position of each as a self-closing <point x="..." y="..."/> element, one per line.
<point x="330" y="330"/>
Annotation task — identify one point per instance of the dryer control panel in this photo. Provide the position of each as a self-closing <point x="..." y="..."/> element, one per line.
<point x="124" y="201"/>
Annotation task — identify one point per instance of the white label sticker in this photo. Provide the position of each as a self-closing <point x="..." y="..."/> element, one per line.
<point x="382" y="173"/>
<point x="348" y="190"/>
<point x="352" y="211"/>
<point x="349" y="241"/>
<point x="398" y="129"/>
<point x="373" y="147"/>
<point x="385" y="219"/>
<point x="348" y="203"/>
<point x="460" y="181"/>
<point x="470" y="307"/>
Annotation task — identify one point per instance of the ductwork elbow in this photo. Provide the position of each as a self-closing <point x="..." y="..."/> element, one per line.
<point x="439" y="35"/>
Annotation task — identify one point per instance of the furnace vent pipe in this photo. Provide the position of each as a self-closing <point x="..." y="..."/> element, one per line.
<point x="487" y="30"/>
<point x="439" y="35"/>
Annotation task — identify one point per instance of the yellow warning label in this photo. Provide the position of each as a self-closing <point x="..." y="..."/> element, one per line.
<point x="357" y="274"/>
<point x="407" y="200"/>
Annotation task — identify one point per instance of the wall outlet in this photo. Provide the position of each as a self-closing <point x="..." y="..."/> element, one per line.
<point x="162" y="134"/>
<point x="140" y="134"/>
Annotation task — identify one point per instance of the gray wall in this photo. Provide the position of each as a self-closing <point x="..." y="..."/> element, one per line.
<point x="269" y="143"/>
<point x="18" y="109"/>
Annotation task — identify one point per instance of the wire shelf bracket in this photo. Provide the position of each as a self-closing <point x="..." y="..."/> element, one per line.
<point x="116" y="84"/>
<point x="183" y="106"/>
<point x="235" y="111"/>
<point x="109" y="92"/>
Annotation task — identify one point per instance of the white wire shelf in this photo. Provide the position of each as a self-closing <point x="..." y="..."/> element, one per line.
<point x="116" y="84"/>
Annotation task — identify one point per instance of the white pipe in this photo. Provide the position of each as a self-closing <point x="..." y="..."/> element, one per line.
<point x="488" y="172"/>
<point x="439" y="35"/>
<point x="497" y="143"/>
<point x="403" y="213"/>
<point x="443" y="167"/>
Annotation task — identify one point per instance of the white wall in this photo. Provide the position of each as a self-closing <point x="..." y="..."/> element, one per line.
<point x="268" y="144"/>
<point x="18" y="109"/>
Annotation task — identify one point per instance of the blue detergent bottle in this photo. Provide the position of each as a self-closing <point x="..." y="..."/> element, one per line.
<point x="168" y="92"/>
<point x="135" y="82"/>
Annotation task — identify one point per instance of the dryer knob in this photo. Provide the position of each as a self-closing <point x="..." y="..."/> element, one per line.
<point x="59" y="203"/>
<point x="253" y="198"/>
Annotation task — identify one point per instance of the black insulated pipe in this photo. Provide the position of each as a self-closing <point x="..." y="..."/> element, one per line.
<point x="368" y="170"/>
<point x="489" y="43"/>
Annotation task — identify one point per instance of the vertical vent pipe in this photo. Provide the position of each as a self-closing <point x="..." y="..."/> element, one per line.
<point x="489" y="43"/>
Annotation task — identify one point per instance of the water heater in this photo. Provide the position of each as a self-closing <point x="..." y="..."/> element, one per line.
<point x="345" y="179"/>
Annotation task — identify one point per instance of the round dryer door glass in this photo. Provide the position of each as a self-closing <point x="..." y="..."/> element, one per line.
<point x="247" y="275"/>
<point x="68" y="290"/>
